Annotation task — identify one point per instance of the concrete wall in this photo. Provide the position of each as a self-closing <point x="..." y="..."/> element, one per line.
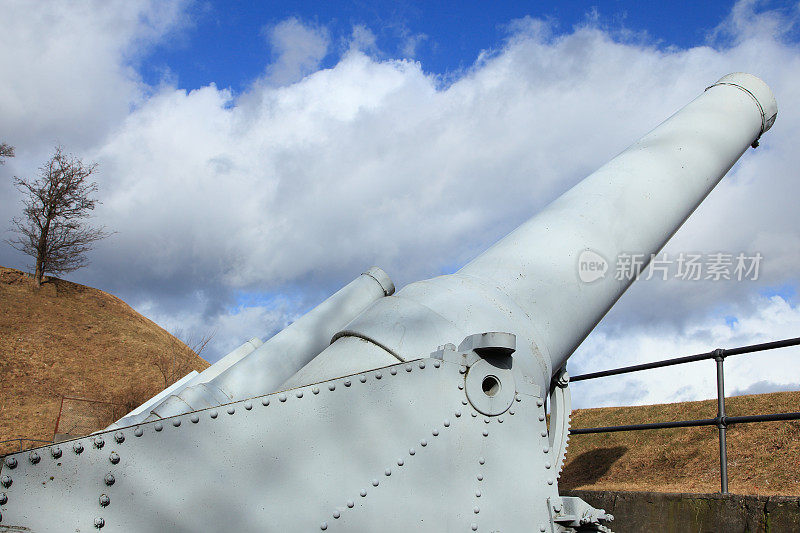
<point x="635" y="512"/>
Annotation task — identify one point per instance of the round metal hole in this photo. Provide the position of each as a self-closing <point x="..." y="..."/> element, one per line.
<point x="490" y="385"/>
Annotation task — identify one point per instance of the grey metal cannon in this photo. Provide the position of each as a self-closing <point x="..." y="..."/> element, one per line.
<point x="421" y="410"/>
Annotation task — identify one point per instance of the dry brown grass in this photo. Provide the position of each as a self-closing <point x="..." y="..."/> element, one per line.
<point x="763" y="458"/>
<point x="66" y="339"/>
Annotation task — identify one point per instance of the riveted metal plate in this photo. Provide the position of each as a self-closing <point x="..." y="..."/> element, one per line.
<point x="406" y="440"/>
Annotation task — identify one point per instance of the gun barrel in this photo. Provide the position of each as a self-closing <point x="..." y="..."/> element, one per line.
<point x="529" y="282"/>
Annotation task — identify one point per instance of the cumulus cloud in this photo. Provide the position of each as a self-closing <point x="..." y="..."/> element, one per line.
<point x="288" y="191"/>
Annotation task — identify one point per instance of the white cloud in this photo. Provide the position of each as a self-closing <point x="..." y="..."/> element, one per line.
<point x="313" y="175"/>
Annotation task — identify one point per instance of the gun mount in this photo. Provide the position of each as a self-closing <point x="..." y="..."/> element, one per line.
<point x="422" y="410"/>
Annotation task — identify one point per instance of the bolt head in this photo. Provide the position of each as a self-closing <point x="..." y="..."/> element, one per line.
<point x="11" y="462"/>
<point x="99" y="442"/>
<point x="77" y="447"/>
<point x="347" y="383"/>
<point x="119" y="437"/>
<point x="34" y="458"/>
<point x="109" y="479"/>
<point x="5" y="481"/>
<point x="104" y="500"/>
<point x="99" y="522"/>
<point x="55" y="451"/>
<point x="114" y="458"/>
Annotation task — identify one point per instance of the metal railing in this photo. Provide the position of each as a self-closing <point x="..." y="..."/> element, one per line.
<point x="722" y="421"/>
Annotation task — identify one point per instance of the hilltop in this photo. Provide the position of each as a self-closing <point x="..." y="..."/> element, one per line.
<point x="762" y="457"/>
<point x="66" y="339"/>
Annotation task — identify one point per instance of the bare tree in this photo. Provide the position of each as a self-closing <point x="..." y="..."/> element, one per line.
<point x="52" y="229"/>
<point x="178" y="359"/>
<point x="5" y="151"/>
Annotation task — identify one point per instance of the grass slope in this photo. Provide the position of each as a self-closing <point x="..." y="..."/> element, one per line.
<point x="68" y="339"/>
<point x="763" y="458"/>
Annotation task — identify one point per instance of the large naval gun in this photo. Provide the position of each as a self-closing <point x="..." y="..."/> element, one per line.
<point x="420" y="410"/>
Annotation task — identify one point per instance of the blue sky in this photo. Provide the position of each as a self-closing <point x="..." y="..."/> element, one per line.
<point x="254" y="157"/>
<point x="224" y="42"/>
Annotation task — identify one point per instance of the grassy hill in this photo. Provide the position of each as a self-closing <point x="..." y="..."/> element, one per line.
<point x="66" y="339"/>
<point x="763" y="458"/>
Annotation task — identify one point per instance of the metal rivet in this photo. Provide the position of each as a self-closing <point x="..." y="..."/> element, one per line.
<point x="114" y="458"/>
<point x="265" y="401"/>
<point x="362" y="379"/>
<point x="499" y="419"/>
<point x="557" y="507"/>
<point x="158" y="426"/>
<point x="77" y="447"/>
<point x="547" y="465"/>
<point x="549" y="481"/>
<point x="375" y="482"/>
<point x="474" y="414"/>
<point x="231" y="410"/>
<point x="393" y="371"/>
<point x="347" y="383"/>
<point x="446" y="423"/>
<point x="378" y="375"/>
<point x="545" y="449"/>
<point x="337" y="514"/>
<point x="331" y="387"/>
<point x="542" y="529"/>
<point x="541" y="418"/>
<point x="463" y="402"/>
<point x="213" y="414"/>
<point x="474" y="526"/>
<point x="138" y="432"/>
<point x="119" y="437"/>
<point x="363" y="493"/>
<point x="544" y="433"/>
<point x="458" y="414"/>
<point x="481" y="460"/>
<point x="412" y="451"/>
<point x="176" y="422"/>
<point x="323" y="526"/>
<point x="282" y="397"/>
<point x="422" y="364"/>
<point x="539" y="402"/>
<point x="423" y="443"/>
<point x="350" y="504"/>
<point x="408" y="368"/>
<point x="477" y="494"/>
<point x="480" y="477"/>
<point x="460" y="386"/>
<point x="104" y="500"/>
<point x="99" y="522"/>
<point x="476" y="509"/>
<point x="299" y="394"/>
<point x="99" y="442"/>
<point x="435" y="432"/>
<point x="437" y="363"/>
<point x="3" y="498"/>
<point x="5" y="481"/>
<point x="248" y="405"/>
<point x="195" y="419"/>
<point x="518" y="397"/>
<point x="55" y="452"/>
<point x="11" y="462"/>
<point x="462" y="369"/>
<point x="486" y="420"/>
<point x="400" y="462"/>
<point x="315" y="390"/>
<point x="511" y="412"/>
<point x="387" y="472"/>
<point x="485" y="432"/>
<point x="109" y="479"/>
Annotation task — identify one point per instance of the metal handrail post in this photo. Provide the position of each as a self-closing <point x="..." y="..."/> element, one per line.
<point x="719" y="357"/>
